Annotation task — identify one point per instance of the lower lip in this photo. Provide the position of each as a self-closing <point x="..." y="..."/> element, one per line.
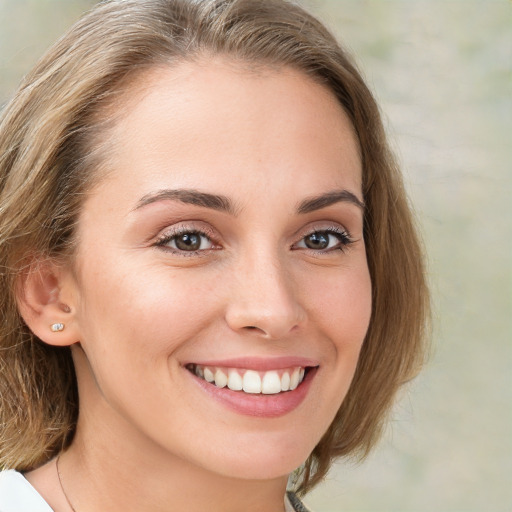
<point x="259" y="405"/>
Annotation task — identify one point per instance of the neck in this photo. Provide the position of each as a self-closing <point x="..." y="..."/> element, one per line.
<point x="111" y="483"/>
<point x="113" y="464"/>
<point x="103" y="471"/>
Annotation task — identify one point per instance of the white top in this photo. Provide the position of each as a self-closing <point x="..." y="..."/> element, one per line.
<point x="17" y="495"/>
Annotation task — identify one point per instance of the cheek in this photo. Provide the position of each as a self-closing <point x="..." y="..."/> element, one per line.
<point x="133" y="325"/>
<point x="339" y="308"/>
<point x="341" y="305"/>
<point x="139" y="311"/>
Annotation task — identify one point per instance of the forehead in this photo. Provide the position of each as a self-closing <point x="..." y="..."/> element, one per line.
<point x="220" y="118"/>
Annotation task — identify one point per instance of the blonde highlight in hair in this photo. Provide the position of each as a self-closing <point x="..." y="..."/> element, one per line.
<point x="53" y="149"/>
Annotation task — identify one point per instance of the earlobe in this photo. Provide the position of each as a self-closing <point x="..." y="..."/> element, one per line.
<point x="45" y="301"/>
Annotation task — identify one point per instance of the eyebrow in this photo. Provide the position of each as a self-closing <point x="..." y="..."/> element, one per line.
<point x="328" y="199"/>
<point x="189" y="196"/>
<point x="224" y="204"/>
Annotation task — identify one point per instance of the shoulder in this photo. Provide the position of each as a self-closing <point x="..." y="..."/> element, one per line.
<point x="293" y="503"/>
<point x="17" y="495"/>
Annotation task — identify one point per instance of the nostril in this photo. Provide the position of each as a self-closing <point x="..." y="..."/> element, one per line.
<point x="254" y="328"/>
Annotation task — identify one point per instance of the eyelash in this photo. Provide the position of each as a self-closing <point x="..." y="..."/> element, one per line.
<point x="168" y="237"/>
<point x="341" y="234"/>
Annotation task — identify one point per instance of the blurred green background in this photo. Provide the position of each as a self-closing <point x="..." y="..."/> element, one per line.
<point x="442" y="71"/>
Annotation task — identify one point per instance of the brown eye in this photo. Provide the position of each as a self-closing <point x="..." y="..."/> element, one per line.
<point x="318" y="240"/>
<point x="325" y="240"/>
<point x="186" y="241"/>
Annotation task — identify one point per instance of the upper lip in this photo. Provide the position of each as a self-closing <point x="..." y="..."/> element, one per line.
<point x="258" y="363"/>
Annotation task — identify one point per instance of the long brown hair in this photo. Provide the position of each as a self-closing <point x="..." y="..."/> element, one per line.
<point x="51" y="151"/>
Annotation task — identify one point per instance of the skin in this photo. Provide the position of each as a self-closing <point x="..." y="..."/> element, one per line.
<point x="148" y="437"/>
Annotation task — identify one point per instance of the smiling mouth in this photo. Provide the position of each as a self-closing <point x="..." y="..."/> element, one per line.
<point x="250" y="381"/>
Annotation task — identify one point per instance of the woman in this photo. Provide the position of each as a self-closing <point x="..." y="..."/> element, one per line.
<point x="210" y="273"/>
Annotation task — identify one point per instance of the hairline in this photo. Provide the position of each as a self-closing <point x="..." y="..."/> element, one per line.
<point x="141" y="81"/>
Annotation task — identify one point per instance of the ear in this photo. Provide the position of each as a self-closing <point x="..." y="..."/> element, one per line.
<point x="46" y="296"/>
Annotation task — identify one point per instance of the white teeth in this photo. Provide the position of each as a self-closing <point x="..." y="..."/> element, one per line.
<point x="267" y="383"/>
<point x="235" y="381"/>
<point x="294" y="379"/>
<point x="271" y="383"/>
<point x="252" y="382"/>
<point x="285" y="381"/>
<point x="208" y="375"/>
<point x="220" y="379"/>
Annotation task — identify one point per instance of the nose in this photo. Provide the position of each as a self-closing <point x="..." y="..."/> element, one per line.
<point x="264" y="299"/>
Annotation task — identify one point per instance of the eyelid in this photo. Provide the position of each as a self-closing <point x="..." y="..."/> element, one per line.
<point x="326" y="225"/>
<point x="345" y="237"/>
<point x="180" y="228"/>
<point x="171" y="232"/>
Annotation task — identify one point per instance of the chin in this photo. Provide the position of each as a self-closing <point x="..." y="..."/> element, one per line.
<point x="263" y="460"/>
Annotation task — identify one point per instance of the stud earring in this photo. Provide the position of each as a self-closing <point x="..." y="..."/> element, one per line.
<point x="57" y="327"/>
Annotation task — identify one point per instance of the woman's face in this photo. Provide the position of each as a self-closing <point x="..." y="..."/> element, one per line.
<point x="225" y="243"/>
